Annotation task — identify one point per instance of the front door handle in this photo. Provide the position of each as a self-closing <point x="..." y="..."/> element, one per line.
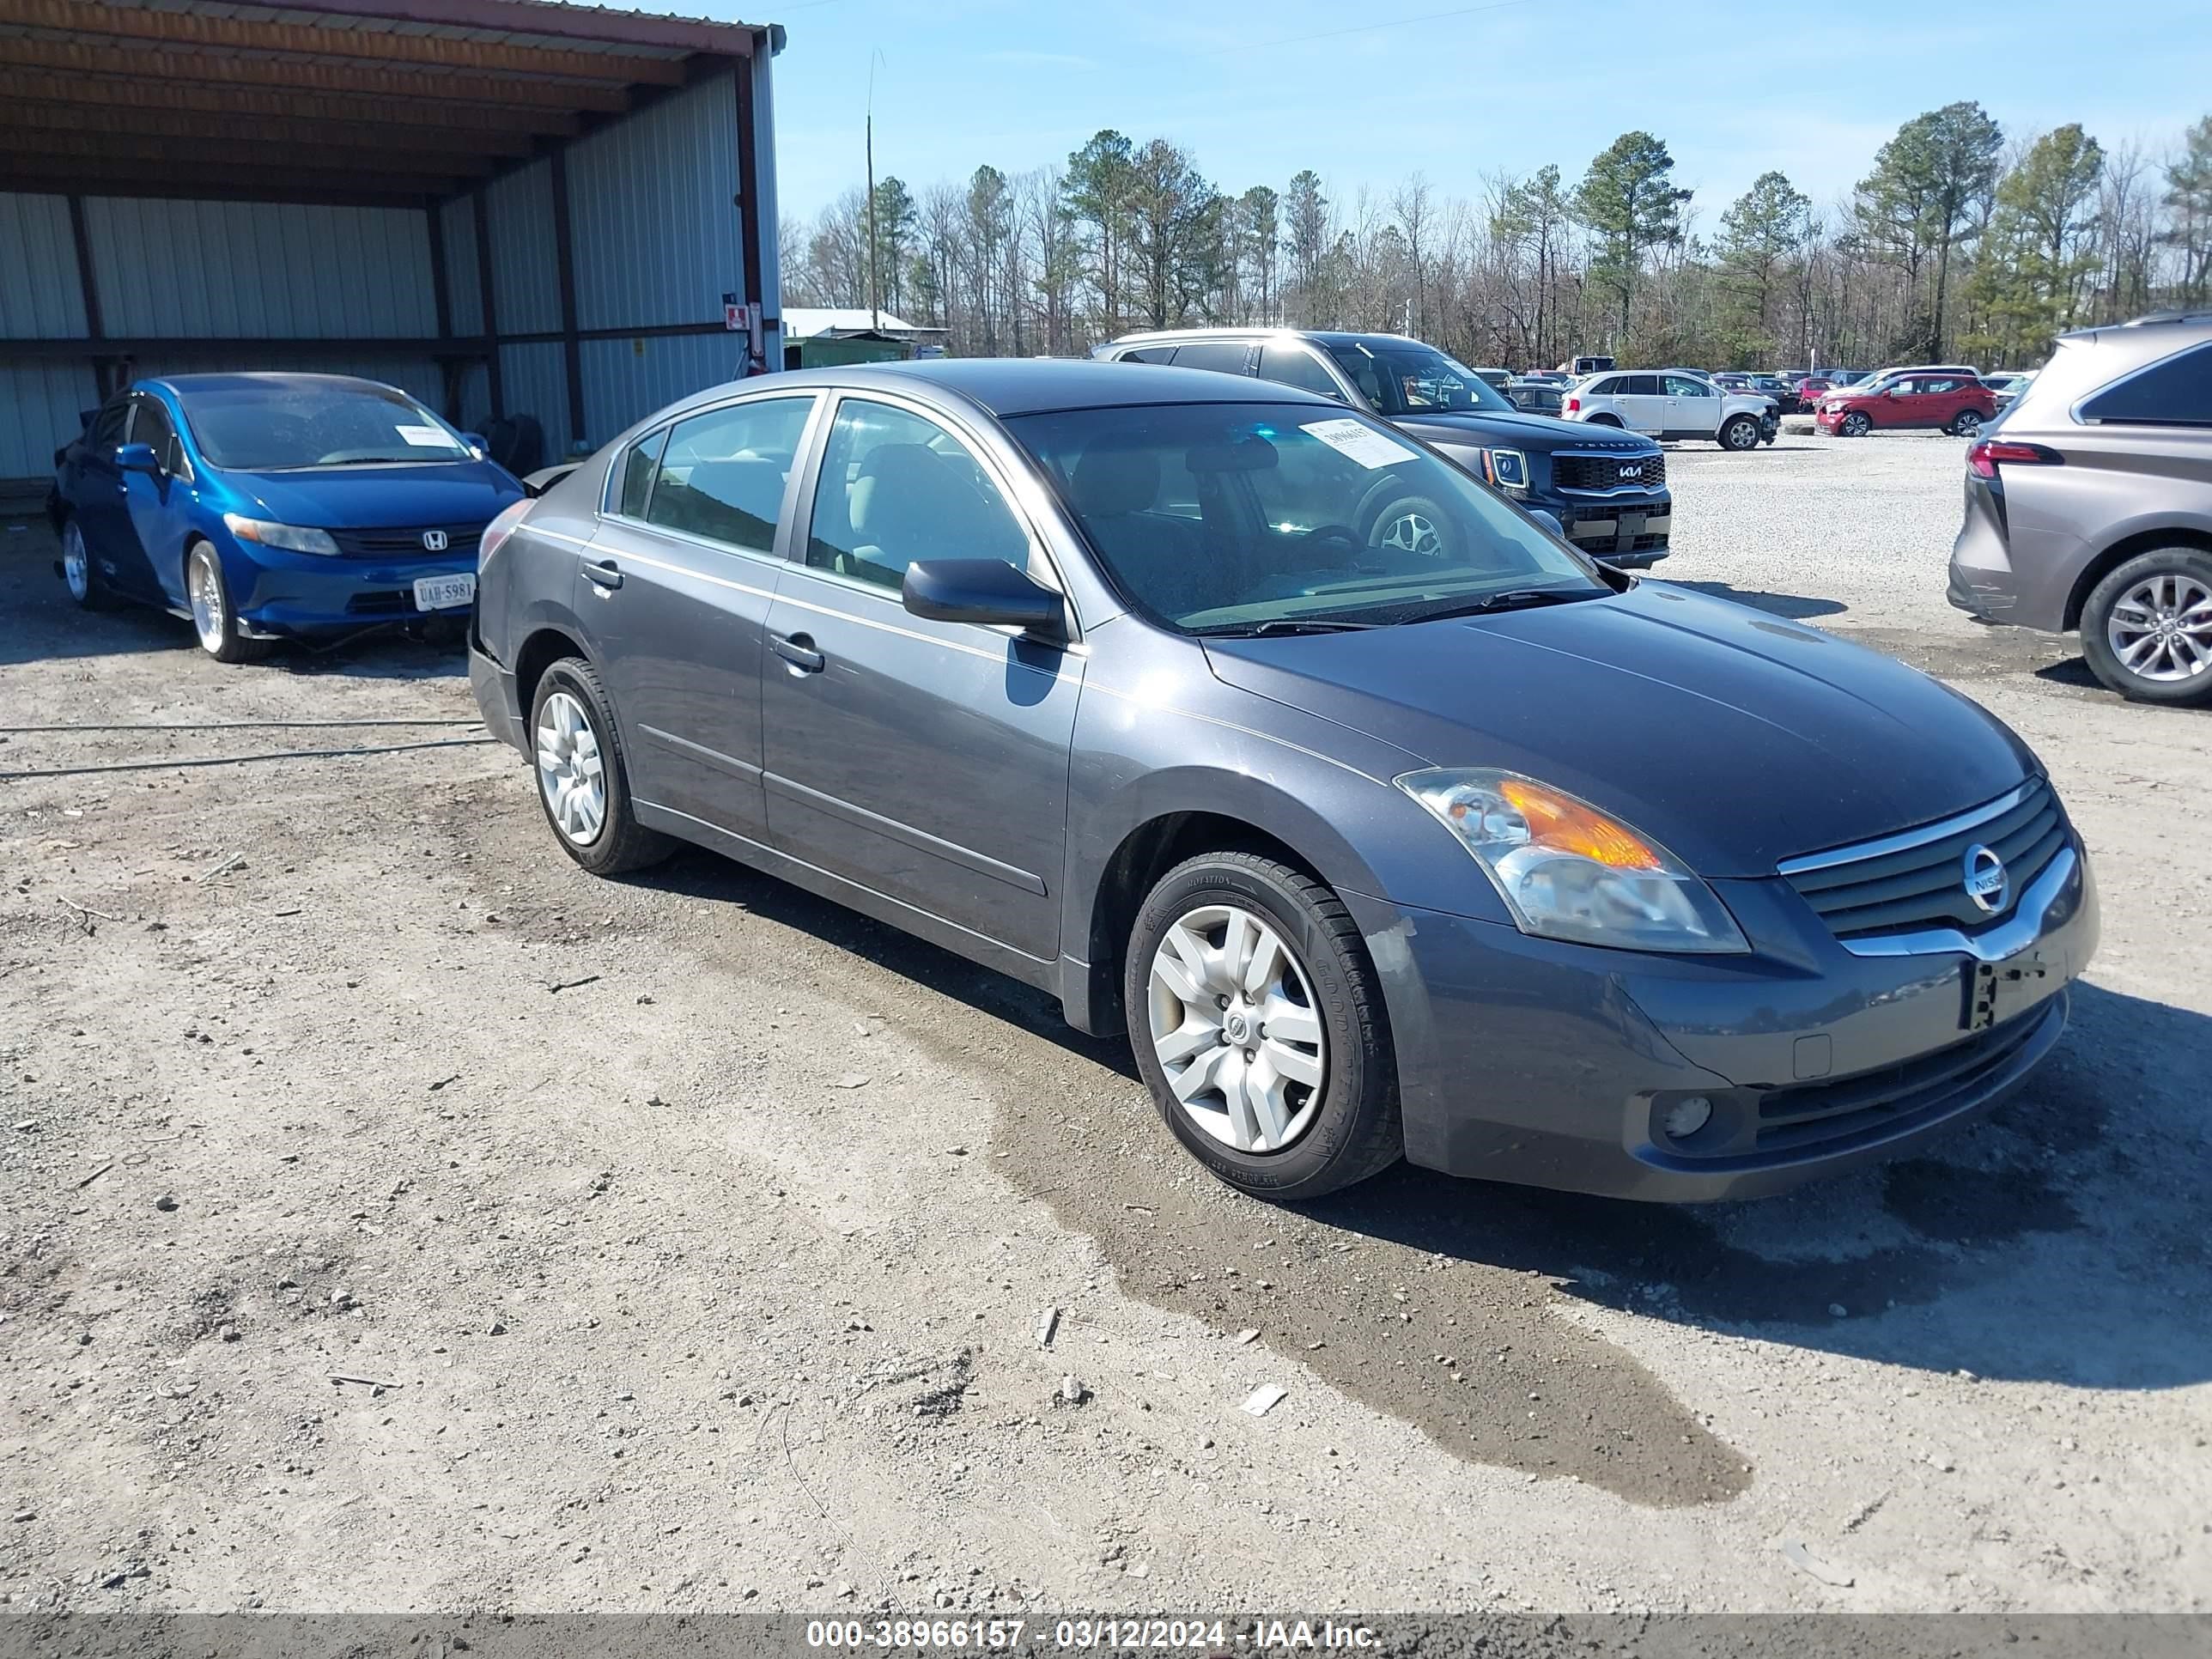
<point x="797" y="650"/>
<point x="605" y="574"/>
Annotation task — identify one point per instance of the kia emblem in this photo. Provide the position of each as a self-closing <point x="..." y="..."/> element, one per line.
<point x="434" y="541"/>
<point x="1632" y="469"/>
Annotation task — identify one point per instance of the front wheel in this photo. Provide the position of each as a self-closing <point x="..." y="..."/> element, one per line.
<point x="583" y="781"/>
<point x="1739" y="433"/>
<point x="214" y="620"/>
<point x="1855" y="425"/>
<point x="1968" y="424"/>
<point x="2146" y="628"/>
<point x="81" y="574"/>
<point x="1413" y="526"/>
<point x="1259" y="1030"/>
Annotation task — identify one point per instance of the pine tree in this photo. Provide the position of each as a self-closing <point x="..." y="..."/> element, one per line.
<point x="1628" y="199"/>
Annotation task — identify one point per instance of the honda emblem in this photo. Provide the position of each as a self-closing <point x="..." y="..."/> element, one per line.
<point x="434" y="541"/>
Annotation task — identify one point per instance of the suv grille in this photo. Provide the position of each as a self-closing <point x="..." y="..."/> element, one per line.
<point x="461" y="541"/>
<point x="1587" y="473"/>
<point x="1884" y="888"/>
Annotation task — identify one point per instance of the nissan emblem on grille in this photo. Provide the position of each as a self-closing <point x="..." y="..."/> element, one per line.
<point x="434" y="541"/>
<point x="1986" y="880"/>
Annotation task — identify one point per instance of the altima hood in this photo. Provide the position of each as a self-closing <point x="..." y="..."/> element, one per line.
<point x="1736" y="738"/>
<point x="379" y="498"/>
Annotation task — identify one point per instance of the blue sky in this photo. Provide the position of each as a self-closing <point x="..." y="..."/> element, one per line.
<point x="1366" y="93"/>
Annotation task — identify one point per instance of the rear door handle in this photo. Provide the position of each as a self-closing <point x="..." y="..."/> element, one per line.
<point x="605" y="574"/>
<point x="797" y="650"/>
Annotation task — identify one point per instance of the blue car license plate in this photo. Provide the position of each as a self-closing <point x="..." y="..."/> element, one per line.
<point x="444" y="593"/>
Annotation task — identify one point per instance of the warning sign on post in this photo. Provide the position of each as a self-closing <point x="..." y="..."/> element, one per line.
<point x="736" y="317"/>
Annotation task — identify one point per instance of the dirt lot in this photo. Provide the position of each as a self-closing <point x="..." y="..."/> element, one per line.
<point x="699" y="1233"/>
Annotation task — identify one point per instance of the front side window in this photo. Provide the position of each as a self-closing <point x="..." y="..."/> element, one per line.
<point x="1225" y="518"/>
<point x="289" y="422"/>
<point x="1680" y="386"/>
<point x="2176" y="392"/>
<point x="1404" y="377"/>
<point x="634" y="473"/>
<point x="1294" y="365"/>
<point x="897" y="488"/>
<point x="108" y="425"/>
<point x="723" y="473"/>
<point x="152" y="427"/>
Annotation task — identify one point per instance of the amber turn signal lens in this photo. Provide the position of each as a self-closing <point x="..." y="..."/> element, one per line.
<point x="1567" y="826"/>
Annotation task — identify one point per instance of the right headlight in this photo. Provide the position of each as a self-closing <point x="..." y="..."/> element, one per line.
<point x="1567" y="870"/>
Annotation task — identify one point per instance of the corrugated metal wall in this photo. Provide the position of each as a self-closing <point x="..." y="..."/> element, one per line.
<point x="664" y="180"/>
<point x="464" y="293"/>
<point x="526" y="275"/>
<point x="38" y="407"/>
<point x="260" y="270"/>
<point x="40" y="297"/>
<point x="536" y="382"/>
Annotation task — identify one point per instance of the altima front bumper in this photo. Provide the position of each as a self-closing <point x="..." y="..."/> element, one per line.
<point x="1556" y="1065"/>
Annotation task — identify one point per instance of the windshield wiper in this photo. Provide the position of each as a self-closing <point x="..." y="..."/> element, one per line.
<point x="1516" y="598"/>
<point x="1287" y="625"/>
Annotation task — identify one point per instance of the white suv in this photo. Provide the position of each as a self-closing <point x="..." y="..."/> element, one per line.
<point x="1673" y="403"/>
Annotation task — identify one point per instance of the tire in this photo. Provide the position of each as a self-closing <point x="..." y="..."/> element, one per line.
<point x="1855" y="424"/>
<point x="1326" y="1135"/>
<point x="80" y="571"/>
<point x="1411" y="525"/>
<point x="1612" y="421"/>
<point x="214" y="620"/>
<point x="576" y="741"/>
<point x="2176" y="581"/>
<point x="1739" y="433"/>
<point x="1967" y="423"/>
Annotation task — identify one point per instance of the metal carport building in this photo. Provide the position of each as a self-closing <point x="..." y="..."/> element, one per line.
<point x="509" y="207"/>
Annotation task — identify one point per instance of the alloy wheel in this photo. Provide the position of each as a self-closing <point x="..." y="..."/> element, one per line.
<point x="2160" y="630"/>
<point x="1968" y="425"/>
<point x="1412" y="533"/>
<point x="76" y="563"/>
<point x="210" y="613"/>
<point x="1235" y="1028"/>
<point x="571" y="772"/>
<point x="1855" y="425"/>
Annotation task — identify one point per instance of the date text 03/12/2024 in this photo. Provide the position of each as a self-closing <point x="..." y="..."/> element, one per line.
<point x="1113" y="1635"/>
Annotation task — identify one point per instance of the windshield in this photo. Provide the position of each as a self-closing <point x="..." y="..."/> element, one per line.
<point x="1404" y="377"/>
<point x="1225" y="518"/>
<point x="275" y="425"/>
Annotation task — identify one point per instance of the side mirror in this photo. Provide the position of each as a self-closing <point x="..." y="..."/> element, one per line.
<point x="479" y="445"/>
<point x="990" y="591"/>
<point x="139" y="458"/>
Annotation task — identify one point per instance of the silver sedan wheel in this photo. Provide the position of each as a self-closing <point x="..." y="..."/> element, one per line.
<point x="76" y="563"/>
<point x="1412" y="533"/>
<point x="571" y="773"/>
<point x="2160" y="630"/>
<point x="1236" y="1029"/>
<point x="211" y="618"/>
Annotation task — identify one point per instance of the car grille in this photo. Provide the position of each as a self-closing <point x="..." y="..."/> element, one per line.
<point x="1927" y="1087"/>
<point x="461" y="541"/>
<point x="1593" y="473"/>
<point x="1904" y="884"/>
<point x="1605" y="544"/>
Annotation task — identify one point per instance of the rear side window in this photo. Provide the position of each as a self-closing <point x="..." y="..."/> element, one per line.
<point x="1225" y="356"/>
<point x="1149" y="354"/>
<point x="1294" y="366"/>
<point x="2176" y="392"/>
<point x="1609" y="388"/>
<point x="723" y="473"/>
<point x="1639" y="386"/>
<point x="639" y="464"/>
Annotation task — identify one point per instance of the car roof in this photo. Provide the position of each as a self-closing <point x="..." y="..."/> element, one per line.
<point x="184" y="384"/>
<point x="1319" y="335"/>
<point x="1028" y="386"/>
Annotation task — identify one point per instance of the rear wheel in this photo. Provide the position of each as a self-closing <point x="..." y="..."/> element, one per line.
<point x="1967" y="424"/>
<point x="1413" y="526"/>
<point x="1739" y="433"/>
<point x="1259" y="1027"/>
<point x="81" y="574"/>
<point x="214" y="620"/>
<point x="583" y="782"/>
<point x="2146" y="628"/>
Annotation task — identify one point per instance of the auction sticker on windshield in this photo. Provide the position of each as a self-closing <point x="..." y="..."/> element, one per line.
<point x="424" y="437"/>
<point x="443" y="592"/>
<point x="1363" y="444"/>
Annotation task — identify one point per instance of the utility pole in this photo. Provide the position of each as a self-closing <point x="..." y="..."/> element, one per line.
<point x="875" y="290"/>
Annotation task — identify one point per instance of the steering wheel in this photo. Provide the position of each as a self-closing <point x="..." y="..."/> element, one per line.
<point x="1342" y="535"/>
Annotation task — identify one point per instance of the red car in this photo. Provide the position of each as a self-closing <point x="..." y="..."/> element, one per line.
<point x="1956" y="404"/>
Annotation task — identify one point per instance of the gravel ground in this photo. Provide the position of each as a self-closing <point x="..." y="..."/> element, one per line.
<point x="395" y="1219"/>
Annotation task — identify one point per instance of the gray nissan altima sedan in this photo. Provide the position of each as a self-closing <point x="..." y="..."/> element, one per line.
<point x="1469" y="851"/>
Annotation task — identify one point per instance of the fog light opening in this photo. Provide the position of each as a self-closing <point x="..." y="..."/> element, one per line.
<point x="1687" y="1116"/>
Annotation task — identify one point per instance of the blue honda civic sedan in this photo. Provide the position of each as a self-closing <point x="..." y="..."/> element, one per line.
<point x="266" y="507"/>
